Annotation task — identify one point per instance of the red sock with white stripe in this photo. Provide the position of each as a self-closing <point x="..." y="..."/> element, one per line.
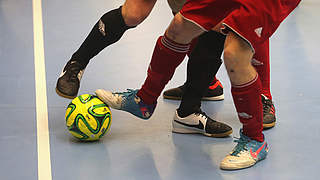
<point x="167" y="55"/>
<point x="247" y="100"/>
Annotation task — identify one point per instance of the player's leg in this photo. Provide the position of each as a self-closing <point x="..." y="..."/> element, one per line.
<point x="240" y="44"/>
<point x="169" y="52"/>
<point x="246" y="91"/>
<point x="215" y="90"/>
<point x="261" y="63"/>
<point x="108" y="30"/>
<point x="202" y="67"/>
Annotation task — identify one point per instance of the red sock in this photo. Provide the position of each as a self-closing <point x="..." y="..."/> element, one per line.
<point x="167" y="55"/>
<point x="247" y="100"/>
<point x="261" y="63"/>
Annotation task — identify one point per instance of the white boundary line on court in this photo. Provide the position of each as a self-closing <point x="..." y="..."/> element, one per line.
<point x="43" y="145"/>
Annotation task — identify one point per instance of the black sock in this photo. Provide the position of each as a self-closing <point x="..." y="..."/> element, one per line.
<point x="108" y="30"/>
<point x="203" y="65"/>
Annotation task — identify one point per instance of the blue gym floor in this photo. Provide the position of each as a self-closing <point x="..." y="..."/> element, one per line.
<point x="134" y="148"/>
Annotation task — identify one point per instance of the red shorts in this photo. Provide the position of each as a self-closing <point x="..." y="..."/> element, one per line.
<point x="208" y="13"/>
<point x="253" y="20"/>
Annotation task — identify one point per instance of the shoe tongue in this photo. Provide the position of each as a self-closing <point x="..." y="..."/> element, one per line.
<point x="78" y="64"/>
<point x="244" y="137"/>
<point x="200" y="112"/>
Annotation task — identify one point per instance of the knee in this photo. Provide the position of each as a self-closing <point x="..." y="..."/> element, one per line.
<point x="177" y="31"/>
<point x="230" y="60"/>
<point x="235" y="64"/>
<point x="134" y="17"/>
<point x="174" y="29"/>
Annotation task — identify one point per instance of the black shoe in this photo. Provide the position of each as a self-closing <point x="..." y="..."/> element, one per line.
<point x="69" y="81"/>
<point x="200" y="123"/>
<point x="214" y="93"/>
<point x="269" y="117"/>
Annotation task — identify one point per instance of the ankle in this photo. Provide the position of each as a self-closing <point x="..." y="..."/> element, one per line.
<point x="184" y="112"/>
<point x="145" y="98"/>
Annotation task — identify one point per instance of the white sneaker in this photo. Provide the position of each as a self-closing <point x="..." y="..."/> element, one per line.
<point x="200" y="123"/>
<point x="127" y="101"/>
<point x="245" y="154"/>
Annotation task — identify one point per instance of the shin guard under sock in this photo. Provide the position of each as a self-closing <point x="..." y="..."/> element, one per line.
<point x="108" y="30"/>
<point x="167" y="55"/>
<point x="247" y="100"/>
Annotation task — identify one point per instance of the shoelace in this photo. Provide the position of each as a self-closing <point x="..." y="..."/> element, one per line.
<point x="242" y="142"/>
<point x="127" y="94"/>
<point x="202" y="114"/>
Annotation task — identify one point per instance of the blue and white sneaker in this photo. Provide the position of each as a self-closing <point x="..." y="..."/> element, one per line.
<point x="245" y="154"/>
<point x="127" y="101"/>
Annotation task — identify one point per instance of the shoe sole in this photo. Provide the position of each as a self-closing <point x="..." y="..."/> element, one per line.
<point x="184" y="131"/>
<point x="268" y="126"/>
<point x="233" y="168"/>
<point x="63" y="95"/>
<point x="229" y="168"/>
<point x="177" y="128"/>
<point x="214" y="98"/>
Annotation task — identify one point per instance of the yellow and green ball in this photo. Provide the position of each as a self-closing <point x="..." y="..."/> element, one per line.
<point x="88" y="118"/>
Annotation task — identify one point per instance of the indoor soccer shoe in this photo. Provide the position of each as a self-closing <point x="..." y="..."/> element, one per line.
<point x="200" y="123"/>
<point x="245" y="154"/>
<point x="269" y="117"/>
<point x="127" y="101"/>
<point x="69" y="81"/>
<point x="214" y="93"/>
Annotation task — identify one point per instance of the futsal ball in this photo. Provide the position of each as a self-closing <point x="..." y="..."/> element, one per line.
<point x="88" y="118"/>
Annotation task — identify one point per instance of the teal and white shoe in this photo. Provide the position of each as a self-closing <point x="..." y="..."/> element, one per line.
<point x="245" y="154"/>
<point x="127" y="101"/>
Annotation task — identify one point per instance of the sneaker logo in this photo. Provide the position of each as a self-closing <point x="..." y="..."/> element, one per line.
<point x="257" y="152"/>
<point x="258" y="31"/>
<point x="198" y="126"/>
<point x="244" y="115"/>
<point x="215" y="85"/>
<point x="145" y="112"/>
<point x="255" y="62"/>
<point x="102" y="28"/>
